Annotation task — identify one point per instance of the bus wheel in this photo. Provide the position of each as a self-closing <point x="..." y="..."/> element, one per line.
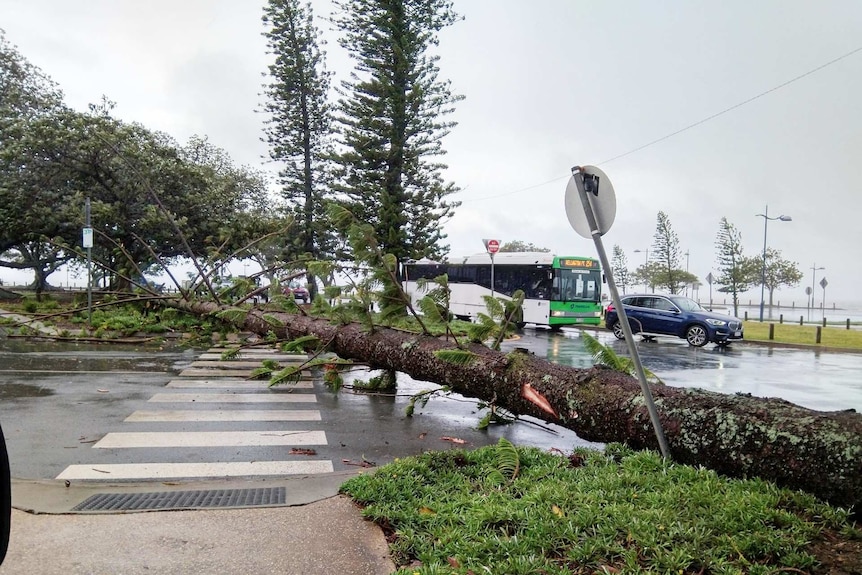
<point x="520" y="324"/>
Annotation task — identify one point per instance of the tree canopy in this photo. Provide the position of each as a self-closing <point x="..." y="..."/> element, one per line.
<point x="521" y="246"/>
<point x="298" y="130"/>
<point x="392" y="121"/>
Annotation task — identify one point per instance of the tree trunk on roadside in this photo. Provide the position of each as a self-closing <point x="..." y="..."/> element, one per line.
<point x="736" y="435"/>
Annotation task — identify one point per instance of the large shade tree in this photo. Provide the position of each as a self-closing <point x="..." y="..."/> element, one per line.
<point x="151" y="199"/>
<point x="392" y="122"/>
<point x="522" y="246"/>
<point x="27" y="96"/>
<point x="776" y="272"/>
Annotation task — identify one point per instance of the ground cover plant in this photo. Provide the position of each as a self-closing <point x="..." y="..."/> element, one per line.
<point x="617" y="511"/>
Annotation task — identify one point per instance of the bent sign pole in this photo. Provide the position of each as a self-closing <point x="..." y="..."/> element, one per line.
<point x="589" y="180"/>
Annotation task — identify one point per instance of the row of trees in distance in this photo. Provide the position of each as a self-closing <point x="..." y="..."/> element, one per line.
<point x="736" y="273"/>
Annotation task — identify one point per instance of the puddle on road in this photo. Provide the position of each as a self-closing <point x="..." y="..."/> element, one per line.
<point x="22" y="390"/>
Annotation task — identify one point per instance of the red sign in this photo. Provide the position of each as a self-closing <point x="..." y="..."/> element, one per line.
<point x="493" y="246"/>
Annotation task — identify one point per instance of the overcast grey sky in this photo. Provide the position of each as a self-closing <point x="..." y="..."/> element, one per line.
<point x="549" y="84"/>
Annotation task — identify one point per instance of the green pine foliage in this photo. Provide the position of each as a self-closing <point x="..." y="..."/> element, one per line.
<point x="300" y="344"/>
<point x="299" y="128"/>
<point x="666" y="254"/>
<point x="734" y="269"/>
<point x="607" y="357"/>
<point x="456" y="356"/>
<point x="392" y="122"/>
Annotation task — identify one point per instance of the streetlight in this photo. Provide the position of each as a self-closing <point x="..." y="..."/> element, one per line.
<point x="814" y="269"/>
<point x="646" y="261"/>
<point x="686" y="271"/>
<point x="766" y="219"/>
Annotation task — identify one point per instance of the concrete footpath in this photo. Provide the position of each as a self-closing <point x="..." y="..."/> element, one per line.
<point x="316" y="531"/>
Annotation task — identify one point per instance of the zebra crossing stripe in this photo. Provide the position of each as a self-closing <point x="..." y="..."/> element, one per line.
<point x="193" y="470"/>
<point x="193" y="415"/>
<point x="244" y="384"/>
<point x="157" y="439"/>
<point x="194" y="372"/>
<point x="234" y="398"/>
<point x="290" y="358"/>
<point x="234" y="365"/>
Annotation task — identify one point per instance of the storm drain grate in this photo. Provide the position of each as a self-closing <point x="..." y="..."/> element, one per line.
<point x="183" y="499"/>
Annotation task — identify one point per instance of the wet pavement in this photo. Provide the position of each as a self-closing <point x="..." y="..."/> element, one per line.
<point x="57" y="404"/>
<point x="58" y="400"/>
<point x="821" y="380"/>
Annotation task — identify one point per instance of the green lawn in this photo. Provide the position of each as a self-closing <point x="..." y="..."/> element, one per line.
<point x="831" y="336"/>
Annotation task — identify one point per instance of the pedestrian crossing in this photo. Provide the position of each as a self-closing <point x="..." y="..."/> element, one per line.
<point x="175" y="438"/>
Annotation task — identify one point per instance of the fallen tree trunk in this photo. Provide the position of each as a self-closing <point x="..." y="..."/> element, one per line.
<point x="736" y="435"/>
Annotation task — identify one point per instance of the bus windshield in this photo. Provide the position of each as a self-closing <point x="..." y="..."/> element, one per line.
<point x="576" y="285"/>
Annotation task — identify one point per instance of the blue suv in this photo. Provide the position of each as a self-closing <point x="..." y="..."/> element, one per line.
<point x="655" y="314"/>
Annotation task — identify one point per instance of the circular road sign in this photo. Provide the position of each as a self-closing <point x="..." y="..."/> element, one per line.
<point x="807" y="291"/>
<point x="493" y="246"/>
<point x="601" y="197"/>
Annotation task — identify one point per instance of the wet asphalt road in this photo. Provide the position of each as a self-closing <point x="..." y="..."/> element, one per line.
<point x="56" y="400"/>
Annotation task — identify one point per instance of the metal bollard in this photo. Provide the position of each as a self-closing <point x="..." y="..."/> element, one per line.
<point x="848" y="323"/>
<point x="771" y="331"/>
<point x="802" y="320"/>
<point x="781" y="318"/>
<point x="817" y="337"/>
<point x="824" y="322"/>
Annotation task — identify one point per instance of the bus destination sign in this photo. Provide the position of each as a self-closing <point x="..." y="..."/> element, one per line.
<point x="568" y="263"/>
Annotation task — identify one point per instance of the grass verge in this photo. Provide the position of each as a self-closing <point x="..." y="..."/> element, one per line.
<point x="615" y="511"/>
<point x="795" y="334"/>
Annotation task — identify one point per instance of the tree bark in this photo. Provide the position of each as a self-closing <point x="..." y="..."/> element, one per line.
<point x="735" y="435"/>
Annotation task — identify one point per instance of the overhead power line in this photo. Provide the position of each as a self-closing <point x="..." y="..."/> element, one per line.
<point x="686" y="128"/>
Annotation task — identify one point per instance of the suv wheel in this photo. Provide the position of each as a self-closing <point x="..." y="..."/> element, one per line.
<point x="617" y="328"/>
<point x="697" y="336"/>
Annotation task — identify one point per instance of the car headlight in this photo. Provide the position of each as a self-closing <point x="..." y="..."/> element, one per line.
<point x="716" y="322"/>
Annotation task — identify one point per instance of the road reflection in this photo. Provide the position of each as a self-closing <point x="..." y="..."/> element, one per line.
<point x="825" y="381"/>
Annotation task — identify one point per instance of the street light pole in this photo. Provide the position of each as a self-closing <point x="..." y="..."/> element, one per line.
<point x="814" y="269"/>
<point x="686" y="271"/>
<point x="766" y="219"/>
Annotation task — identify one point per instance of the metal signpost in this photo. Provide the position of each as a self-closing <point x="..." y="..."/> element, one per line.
<point x="709" y="280"/>
<point x="87" y="242"/>
<point x="823" y="284"/>
<point x="814" y="270"/>
<point x="591" y="207"/>
<point x="492" y="246"/>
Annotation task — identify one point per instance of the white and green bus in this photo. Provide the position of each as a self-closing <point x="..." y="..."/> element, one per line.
<point x="558" y="290"/>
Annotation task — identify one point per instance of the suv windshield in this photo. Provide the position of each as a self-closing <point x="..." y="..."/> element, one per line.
<point x="686" y="304"/>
